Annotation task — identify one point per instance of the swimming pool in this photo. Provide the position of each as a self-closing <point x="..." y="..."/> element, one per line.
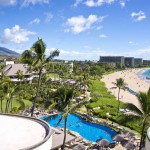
<point x="88" y="130"/>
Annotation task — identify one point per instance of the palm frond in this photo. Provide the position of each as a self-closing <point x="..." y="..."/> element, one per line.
<point x="79" y="105"/>
<point x="113" y="88"/>
<point x="52" y="106"/>
<point x="63" y="116"/>
<point x="26" y="57"/>
<point x="22" y="104"/>
<point x="53" y="54"/>
<point x="135" y="109"/>
<point x="142" y="98"/>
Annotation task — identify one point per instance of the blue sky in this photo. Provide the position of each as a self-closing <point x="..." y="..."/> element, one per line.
<point x="81" y="29"/>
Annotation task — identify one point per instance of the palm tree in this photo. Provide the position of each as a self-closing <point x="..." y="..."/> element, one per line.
<point x="20" y="75"/>
<point x="8" y="90"/>
<point x="1" y="99"/>
<point x="143" y="112"/>
<point x="37" y="59"/>
<point x="67" y="107"/>
<point x="120" y="84"/>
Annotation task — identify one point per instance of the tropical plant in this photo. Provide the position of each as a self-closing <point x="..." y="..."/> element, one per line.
<point x="66" y="105"/>
<point x="120" y="84"/>
<point x="20" y="75"/>
<point x="8" y="91"/>
<point x="37" y="59"/>
<point x="1" y="99"/>
<point x="142" y="112"/>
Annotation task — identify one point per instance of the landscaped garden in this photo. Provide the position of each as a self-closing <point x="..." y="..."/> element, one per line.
<point x="56" y="88"/>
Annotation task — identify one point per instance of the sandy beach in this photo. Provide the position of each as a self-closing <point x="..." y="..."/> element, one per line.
<point x="132" y="79"/>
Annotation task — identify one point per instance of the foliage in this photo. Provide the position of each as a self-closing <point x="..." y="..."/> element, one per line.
<point x="104" y="105"/>
<point x="36" y="58"/>
<point x="142" y="113"/>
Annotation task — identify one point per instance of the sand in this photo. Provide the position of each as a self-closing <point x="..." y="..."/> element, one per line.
<point x="132" y="79"/>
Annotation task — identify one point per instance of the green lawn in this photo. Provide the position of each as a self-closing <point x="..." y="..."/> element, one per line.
<point x="103" y="103"/>
<point x="101" y="96"/>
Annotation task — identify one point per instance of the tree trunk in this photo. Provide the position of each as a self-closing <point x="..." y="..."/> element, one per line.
<point x="65" y="126"/>
<point x="118" y="101"/>
<point x="7" y="104"/>
<point x="37" y="92"/>
<point x="1" y="104"/>
<point x="142" y="134"/>
<point x="11" y="104"/>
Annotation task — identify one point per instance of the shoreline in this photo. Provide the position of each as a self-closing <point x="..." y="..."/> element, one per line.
<point x="132" y="78"/>
<point x="141" y="76"/>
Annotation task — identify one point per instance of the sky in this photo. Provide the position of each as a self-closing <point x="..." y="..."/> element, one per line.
<point x="80" y="29"/>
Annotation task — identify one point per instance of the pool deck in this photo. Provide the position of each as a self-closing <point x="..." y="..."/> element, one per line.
<point x="20" y="132"/>
<point x="60" y="135"/>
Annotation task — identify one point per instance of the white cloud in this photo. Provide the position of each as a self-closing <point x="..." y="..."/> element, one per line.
<point x="122" y="3"/>
<point x="49" y="17"/>
<point x="141" y="53"/>
<point x="131" y="42"/>
<point x="139" y="16"/>
<point x="97" y="3"/>
<point x="93" y="3"/>
<point x="16" y="35"/>
<point x="33" y="2"/>
<point x="77" y="2"/>
<point x="103" y="36"/>
<point x="8" y="2"/>
<point x="35" y="21"/>
<point x="91" y="54"/>
<point x="81" y="55"/>
<point x="80" y="23"/>
<point x="99" y="27"/>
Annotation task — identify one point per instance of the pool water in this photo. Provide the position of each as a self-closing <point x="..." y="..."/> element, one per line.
<point x="88" y="130"/>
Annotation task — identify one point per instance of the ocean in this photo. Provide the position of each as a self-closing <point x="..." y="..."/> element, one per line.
<point x="145" y="74"/>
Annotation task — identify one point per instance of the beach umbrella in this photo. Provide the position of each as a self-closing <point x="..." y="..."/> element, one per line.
<point x="102" y="142"/>
<point x="129" y="134"/>
<point x="79" y="147"/>
<point x="129" y="145"/>
<point x="118" y="138"/>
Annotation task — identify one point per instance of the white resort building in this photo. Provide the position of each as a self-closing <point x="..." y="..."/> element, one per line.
<point x="10" y="70"/>
<point x="26" y="133"/>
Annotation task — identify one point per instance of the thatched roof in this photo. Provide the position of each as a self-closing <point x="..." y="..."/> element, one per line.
<point x="11" y="69"/>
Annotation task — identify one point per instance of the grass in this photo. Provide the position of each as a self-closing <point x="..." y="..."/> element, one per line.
<point x="101" y="97"/>
<point x="104" y="105"/>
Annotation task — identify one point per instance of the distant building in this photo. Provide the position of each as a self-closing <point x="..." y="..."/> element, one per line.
<point x="8" y="62"/>
<point x="112" y="59"/>
<point x="147" y="145"/>
<point x="121" y="60"/>
<point x="146" y="62"/>
<point x="138" y="61"/>
<point x="10" y="71"/>
<point x="129" y="61"/>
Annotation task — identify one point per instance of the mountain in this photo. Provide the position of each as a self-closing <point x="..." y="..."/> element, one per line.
<point x="6" y="52"/>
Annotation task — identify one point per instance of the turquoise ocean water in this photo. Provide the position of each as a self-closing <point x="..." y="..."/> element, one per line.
<point x="146" y="73"/>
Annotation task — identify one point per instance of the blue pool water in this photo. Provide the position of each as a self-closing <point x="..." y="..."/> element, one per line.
<point x="88" y="130"/>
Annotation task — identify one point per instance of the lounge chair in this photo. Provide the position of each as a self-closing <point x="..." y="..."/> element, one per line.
<point x="112" y="145"/>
